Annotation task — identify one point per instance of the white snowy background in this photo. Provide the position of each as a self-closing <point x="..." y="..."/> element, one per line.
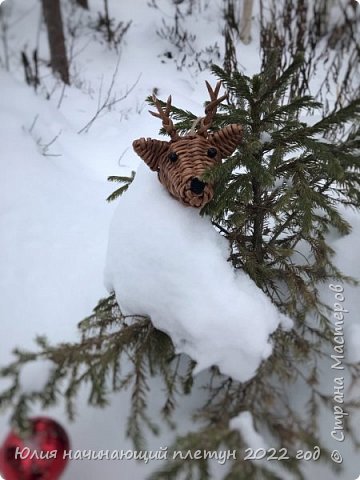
<point x="54" y="220"/>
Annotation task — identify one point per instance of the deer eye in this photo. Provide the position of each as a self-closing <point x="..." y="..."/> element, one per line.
<point x="212" y="152"/>
<point x="173" y="156"/>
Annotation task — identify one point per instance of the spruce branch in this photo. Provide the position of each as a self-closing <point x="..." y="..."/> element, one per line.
<point x="119" y="191"/>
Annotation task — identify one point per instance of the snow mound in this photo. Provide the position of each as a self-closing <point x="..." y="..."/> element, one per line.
<point x="166" y="261"/>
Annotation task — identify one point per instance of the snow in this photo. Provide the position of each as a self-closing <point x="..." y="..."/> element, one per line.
<point x="54" y="219"/>
<point x="265" y="137"/>
<point x="244" y="423"/>
<point x="353" y="339"/>
<point x="49" y="212"/>
<point x="166" y="261"/>
<point x="281" y="182"/>
<point x="258" y="446"/>
<point x="348" y="259"/>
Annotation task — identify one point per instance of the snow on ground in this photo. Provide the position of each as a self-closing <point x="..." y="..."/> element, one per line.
<point x="54" y="219"/>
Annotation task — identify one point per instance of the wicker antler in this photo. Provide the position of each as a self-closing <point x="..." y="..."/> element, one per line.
<point x="165" y="117"/>
<point x="211" y="108"/>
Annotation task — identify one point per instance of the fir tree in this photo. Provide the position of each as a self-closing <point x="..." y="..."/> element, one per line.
<point x="276" y="200"/>
<point x="284" y="186"/>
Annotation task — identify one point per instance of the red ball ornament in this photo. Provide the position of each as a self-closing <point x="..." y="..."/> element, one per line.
<point x="39" y="456"/>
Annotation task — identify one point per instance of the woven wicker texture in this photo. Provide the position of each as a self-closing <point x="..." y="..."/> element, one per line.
<point x="183" y="160"/>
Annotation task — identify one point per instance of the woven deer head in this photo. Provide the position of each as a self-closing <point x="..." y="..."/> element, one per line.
<point x="182" y="161"/>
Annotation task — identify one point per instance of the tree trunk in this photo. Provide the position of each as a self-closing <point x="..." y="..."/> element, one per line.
<point x="83" y="4"/>
<point x="245" y="24"/>
<point x="54" y="25"/>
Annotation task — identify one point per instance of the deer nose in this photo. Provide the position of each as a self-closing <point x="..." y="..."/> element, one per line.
<point x="197" y="186"/>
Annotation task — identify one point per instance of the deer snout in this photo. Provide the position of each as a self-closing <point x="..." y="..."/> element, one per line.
<point x="197" y="186"/>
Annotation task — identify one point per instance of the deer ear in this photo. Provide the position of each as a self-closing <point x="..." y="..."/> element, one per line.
<point x="150" y="151"/>
<point x="227" y="139"/>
